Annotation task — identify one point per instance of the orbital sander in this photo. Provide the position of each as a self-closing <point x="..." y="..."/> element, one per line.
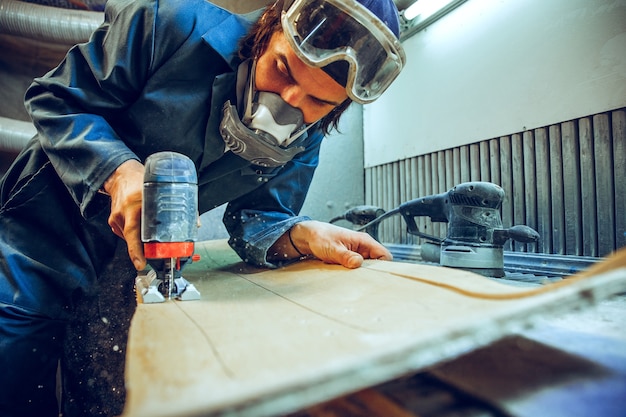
<point x="475" y="238"/>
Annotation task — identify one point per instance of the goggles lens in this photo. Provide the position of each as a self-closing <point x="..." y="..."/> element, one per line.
<point x="352" y="45"/>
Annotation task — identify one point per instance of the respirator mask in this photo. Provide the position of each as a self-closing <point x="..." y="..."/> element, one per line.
<point x="267" y="127"/>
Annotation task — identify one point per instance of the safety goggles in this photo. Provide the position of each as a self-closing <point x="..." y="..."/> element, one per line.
<point x="355" y="47"/>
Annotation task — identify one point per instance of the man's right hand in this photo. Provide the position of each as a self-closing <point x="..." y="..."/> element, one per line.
<point x="125" y="186"/>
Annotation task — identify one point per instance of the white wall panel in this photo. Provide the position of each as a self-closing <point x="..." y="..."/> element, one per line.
<point x="492" y="67"/>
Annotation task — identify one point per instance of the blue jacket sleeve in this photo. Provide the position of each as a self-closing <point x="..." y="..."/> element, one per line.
<point x="70" y="104"/>
<point x="256" y="220"/>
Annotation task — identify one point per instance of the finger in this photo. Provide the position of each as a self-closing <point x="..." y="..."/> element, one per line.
<point x="135" y="252"/>
<point x="381" y="253"/>
<point x="350" y="259"/>
<point x="132" y="235"/>
<point x="115" y="227"/>
<point x="372" y="249"/>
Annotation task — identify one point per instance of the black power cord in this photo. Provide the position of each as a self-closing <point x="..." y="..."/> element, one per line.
<point x="362" y="216"/>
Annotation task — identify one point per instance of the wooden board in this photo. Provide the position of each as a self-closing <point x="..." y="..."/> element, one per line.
<point x="266" y="342"/>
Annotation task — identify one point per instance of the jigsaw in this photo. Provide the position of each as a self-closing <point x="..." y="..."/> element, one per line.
<point x="169" y="227"/>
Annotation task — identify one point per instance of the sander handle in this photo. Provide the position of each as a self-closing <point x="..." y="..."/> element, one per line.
<point x="519" y="233"/>
<point x="434" y="206"/>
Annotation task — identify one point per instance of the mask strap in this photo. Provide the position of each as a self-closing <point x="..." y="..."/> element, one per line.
<point x="297" y="134"/>
<point x="248" y="92"/>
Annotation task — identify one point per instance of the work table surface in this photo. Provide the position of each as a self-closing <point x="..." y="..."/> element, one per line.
<point x="269" y="342"/>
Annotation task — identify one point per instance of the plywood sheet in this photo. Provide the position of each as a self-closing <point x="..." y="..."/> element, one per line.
<point x="265" y="342"/>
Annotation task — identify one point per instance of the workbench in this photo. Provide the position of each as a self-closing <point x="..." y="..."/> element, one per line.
<point x="264" y="342"/>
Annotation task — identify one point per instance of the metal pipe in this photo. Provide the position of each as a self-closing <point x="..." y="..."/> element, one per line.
<point x="14" y="134"/>
<point x="42" y="23"/>
<point x="45" y="23"/>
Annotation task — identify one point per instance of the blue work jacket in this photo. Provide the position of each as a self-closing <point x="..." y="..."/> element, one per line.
<point x="154" y="76"/>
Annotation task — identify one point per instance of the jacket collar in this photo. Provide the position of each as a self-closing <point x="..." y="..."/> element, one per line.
<point x="224" y="37"/>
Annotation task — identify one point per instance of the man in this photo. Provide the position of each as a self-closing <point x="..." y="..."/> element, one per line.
<point x="248" y="103"/>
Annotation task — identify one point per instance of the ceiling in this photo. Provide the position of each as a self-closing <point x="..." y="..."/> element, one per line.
<point x="244" y="6"/>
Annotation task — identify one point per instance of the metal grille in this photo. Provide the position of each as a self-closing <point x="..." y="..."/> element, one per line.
<point x="567" y="181"/>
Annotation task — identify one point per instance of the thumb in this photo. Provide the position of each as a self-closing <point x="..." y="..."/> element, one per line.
<point x="350" y="259"/>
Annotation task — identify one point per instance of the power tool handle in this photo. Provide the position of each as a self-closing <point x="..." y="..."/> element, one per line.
<point x="523" y="234"/>
<point x="431" y="206"/>
<point x="411" y="225"/>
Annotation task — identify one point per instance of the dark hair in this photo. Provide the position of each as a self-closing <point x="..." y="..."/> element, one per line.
<point x="255" y="43"/>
